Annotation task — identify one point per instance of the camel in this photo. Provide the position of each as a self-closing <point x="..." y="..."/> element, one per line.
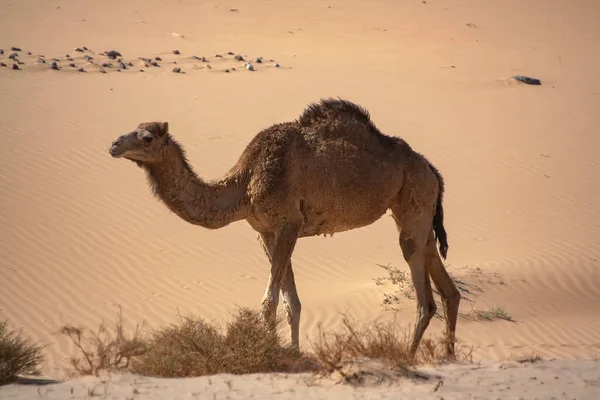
<point x="329" y="171"/>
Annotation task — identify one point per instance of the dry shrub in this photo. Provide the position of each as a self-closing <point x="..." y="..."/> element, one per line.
<point x="378" y="340"/>
<point x="105" y="349"/>
<point x="195" y="347"/>
<point x="18" y="355"/>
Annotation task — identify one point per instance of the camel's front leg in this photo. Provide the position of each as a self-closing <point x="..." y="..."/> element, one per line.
<point x="279" y="247"/>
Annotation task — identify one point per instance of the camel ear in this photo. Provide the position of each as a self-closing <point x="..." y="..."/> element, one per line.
<point x="163" y="128"/>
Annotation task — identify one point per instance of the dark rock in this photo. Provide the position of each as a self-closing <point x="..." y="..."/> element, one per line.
<point x="233" y="69"/>
<point x="146" y="65"/>
<point x="28" y="53"/>
<point x="258" y="60"/>
<point x="230" y="53"/>
<point x="20" y="62"/>
<point x="250" y="67"/>
<point x="107" y="65"/>
<point x="67" y="56"/>
<point x="13" y="56"/>
<point x="176" y="52"/>
<point x="79" y="49"/>
<point x="155" y="64"/>
<point x="218" y="55"/>
<point x="55" y="59"/>
<point x="528" y="80"/>
<point x="122" y="65"/>
<point x="102" y="70"/>
<point x="226" y="70"/>
<point x="146" y="59"/>
<point x="1" y="51"/>
<point x="41" y="60"/>
<point x="72" y="65"/>
<point x="238" y="58"/>
<point x="85" y="48"/>
<point x="81" y="70"/>
<point x="130" y="64"/>
<point x="276" y="65"/>
<point x="141" y="70"/>
<point x="197" y="58"/>
<point x="174" y="62"/>
<point x="158" y="58"/>
<point x="177" y="70"/>
<point x="54" y="66"/>
<point x="15" y="66"/>
<point x="113" y="54"/>
<point x="2" y="65"/>
<point x="15" y="49"/>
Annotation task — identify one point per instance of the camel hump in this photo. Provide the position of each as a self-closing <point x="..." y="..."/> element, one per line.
<point x="332" y="109"/>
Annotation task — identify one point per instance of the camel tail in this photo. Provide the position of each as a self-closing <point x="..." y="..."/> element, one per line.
<point x="438" y="218"/>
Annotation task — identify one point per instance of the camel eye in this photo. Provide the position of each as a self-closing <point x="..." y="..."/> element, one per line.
<point x="147" y="139"/>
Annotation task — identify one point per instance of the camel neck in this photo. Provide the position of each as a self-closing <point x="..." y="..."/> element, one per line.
<point x="211" y="205"/>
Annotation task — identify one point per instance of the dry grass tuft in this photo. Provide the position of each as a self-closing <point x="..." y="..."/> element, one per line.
<point x="105" y="349"/>
<point x="492" y="314"/>
<point x="18" y="355"/>
<point x="378" y="340"/>
<point x="195" y="347"/>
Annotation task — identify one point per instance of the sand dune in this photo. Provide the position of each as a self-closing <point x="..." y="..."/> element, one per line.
<point x="81" y="233"/>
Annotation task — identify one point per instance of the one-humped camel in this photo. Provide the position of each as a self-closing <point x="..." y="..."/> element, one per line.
<point x="329" y="171"/>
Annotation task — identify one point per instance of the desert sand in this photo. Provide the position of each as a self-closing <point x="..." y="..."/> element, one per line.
<point x="82" y="235"/>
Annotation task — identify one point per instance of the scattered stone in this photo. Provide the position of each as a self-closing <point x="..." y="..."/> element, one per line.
<point x="15" y="66"/>
<point x="85" y="48"/>
<point x="528" y="80"/>
<point x="72" y="65"/>
<point x="67" y="56"/>
<point x="226" y="70"/>
<point x="176" y="51"/>
<point x="158" y="58"/>
<point x="258" y="60"/>
<point x="239" y="58"/>
<point x="2" y="65"/>
<point x="233" y="69"/>
<point x="146" y="65"/>
<point x="88" y="58"/>
<point x="177" y="70"/>
<point x="230" y="53"/>
<point x="276" y="65"/>
<point x="129" y="64"/>
<point x="20" y="62"/>
<point x="250" y="67"/>
<point x="79" y="49"/>
<point x="55" y="59"/>
<point x="41" y="60"/>
<point x="141" y="70"/>
<point x="208" y="66"/>
<point x="144" y="59"/>
<point x="154" y="63"/>
<point x="13" y="56"/>
<point x="118" y="69"/>
<point x="54" y="66"/>
<point x="81" y="70"/>
<point x="102" y="70"/>
<point x="28" y="53"/>
<point x="218" y="55"/>
<point x="122" y="65"/>
<point x="174" y="62"/>
<point x="113" y="54"/>
<point x="199" y="58"/>
<point x="15" y="49"/>
<point x="107" y="65"/>
<point x="1" y="51"/>
<point x="70" y="59"/>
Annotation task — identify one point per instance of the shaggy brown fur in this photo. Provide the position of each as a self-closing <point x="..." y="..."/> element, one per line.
<point x="329" y="171"/>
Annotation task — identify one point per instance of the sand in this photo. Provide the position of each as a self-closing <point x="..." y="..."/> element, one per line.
<point x="82" y="235"/>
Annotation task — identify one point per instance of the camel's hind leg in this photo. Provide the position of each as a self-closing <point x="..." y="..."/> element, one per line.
<point x="448" y="292"/>
<point x="414" y="233"/>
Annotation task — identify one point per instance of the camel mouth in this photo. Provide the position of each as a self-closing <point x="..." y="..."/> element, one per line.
<point x="115" y="152"/>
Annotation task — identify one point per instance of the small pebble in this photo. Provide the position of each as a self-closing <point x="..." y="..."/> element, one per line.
<point x="20" y="62"/>
<point x="230" y="53"/>
<point x="130" y="64"/>
<point x="55" y="59"/>
<point x="208" y="66"/>
<point x="233" y="69"/>
<point x="198" y="58"/>
<point x="28" y="53"/>
<point x="72" y="65"/>
<point x="176" y="52"/>
<point x="15" y="66"/>
<point x="154" y="63"/>
<point x="67" y="56"/>
<point x="122" y="65"/>
<point x="85" y="48"/>
<point x="158" y="58"/>
<point x="239" y="58"/>
<point x="145" y="59"/>
<point x="81" y="70"/>
<point x="2" y="65"/>
<point x="41" y="60"/>
<point x="258" y="60"/>
<point x="174" y="62"/>
<point x="16" y="49"/>
<point x="79" y="49"/>
<point x="88" y="58"/>
<point x="54" y="65"/>
<point x="177" y="70"/>
<point x="276" y="65"/>
<point x="13" y="56"/>
<point x="107" y="65"/>
<point x="249" y="67"/>
<point x="102" y="70"/>
<point x="113" y="54"/>
<point x="146" y="65"/>
<point x="218" y="55"/>
<point x="141" y="70"/>
<point x="528" y="80"/>
<point x="1" y="51"/>
<point x="226" y="70"/>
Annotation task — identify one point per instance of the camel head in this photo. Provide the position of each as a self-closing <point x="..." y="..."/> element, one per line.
<point x="146" y="144"/>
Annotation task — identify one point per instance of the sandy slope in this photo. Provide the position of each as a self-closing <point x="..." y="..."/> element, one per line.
<point x="81" y="233"/>
<point x="544" y="380"/>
